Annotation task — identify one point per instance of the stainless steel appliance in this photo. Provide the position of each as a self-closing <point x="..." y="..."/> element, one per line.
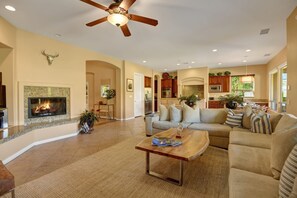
<point x="3" y="118"/>
<point x="215" y="88"/>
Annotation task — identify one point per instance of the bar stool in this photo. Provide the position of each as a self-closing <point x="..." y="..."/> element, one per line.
<point x="6" y="181"/>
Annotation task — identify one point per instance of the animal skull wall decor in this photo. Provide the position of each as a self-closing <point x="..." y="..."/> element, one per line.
<point x="50" y="58"/>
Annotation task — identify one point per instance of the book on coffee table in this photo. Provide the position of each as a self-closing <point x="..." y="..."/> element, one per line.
<point x="165" y="142"/>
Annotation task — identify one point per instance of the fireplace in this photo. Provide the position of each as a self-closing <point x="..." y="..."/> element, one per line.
<point x="46" y="106"/>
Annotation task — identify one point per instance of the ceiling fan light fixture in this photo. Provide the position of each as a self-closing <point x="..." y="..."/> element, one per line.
<point x="117" y="19"/>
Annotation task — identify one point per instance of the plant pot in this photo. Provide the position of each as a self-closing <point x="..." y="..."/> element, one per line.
<point x="231" y="105"/>
<point x="90" y="124"/>
<point x="190" y="104"/>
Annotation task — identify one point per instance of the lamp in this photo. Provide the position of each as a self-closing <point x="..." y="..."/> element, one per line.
<point x="246" y="78"/>
<point x="117" y="19"/>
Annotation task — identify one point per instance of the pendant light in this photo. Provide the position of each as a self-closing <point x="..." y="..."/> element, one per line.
<point x="246" y="78"/>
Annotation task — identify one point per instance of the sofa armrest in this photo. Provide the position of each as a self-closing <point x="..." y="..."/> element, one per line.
<point x="149" y="123"/>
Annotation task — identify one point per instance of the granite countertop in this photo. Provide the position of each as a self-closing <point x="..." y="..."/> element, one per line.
<point x="11" y="133"/>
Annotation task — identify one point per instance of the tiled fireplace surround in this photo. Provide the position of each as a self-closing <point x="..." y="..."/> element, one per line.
<point x="44" y="91"/>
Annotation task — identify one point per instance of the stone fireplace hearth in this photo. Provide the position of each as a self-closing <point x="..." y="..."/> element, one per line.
<point x="46" y="104"/>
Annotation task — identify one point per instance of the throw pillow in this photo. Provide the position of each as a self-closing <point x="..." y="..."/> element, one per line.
<point x="288" y="175"/>
<point x="175" y="114"/>
<point x="286" y="122"/>
<point x="164" y="113"/>
<point x="260" y="123"/>
<point x="274" y="119"/>
<point x="233" y="120"/>
<point x="281" y="145"/>
<point x="190" y="114"/>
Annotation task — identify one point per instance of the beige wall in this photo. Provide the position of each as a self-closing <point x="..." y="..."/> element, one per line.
<point x="129" y="70"/>
<point x="260" y="78"/>
<point x="278" y="60"/>
<point x="292" y="62"/>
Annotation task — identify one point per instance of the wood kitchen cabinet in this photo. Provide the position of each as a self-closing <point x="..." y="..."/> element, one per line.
<point x="224" y="81"/>
<point x="214" y="104"/>
<point x="166" y="83"/>
<point x="147" y="81"/>
<point x="174" y="88"/>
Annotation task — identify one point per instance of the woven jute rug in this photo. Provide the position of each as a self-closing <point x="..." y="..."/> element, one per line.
<point x="119" y="171"/>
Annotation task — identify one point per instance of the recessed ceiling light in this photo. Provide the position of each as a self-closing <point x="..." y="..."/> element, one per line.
<point x="178" y="64"/>
<point x="190" y="67"/>
<point x="10" y="8"/>
<point x="144" y="61"/>
<point x="193" y="62"/>
<point x="220" y="63"/>
<point x="165" y="69"/>
<point x="248" y="50"/>
<point x="215" y="50"/>
<point x="244" y="61"/>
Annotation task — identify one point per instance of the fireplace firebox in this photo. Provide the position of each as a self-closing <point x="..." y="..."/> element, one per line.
<point x="46" y="106"/>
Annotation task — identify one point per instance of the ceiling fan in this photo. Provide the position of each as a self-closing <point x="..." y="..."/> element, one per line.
<point x="119" y="16"/>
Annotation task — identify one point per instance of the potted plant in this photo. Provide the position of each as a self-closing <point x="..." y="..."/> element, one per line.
<point x="220" y="74"/>
<point x="211" y="74"/>
<point x="189" y="100"/>
<point x="231" y="100"/>
<point x="109" y="94"/>
<point x="87" y="120"/>
<point x="227" y="73"/>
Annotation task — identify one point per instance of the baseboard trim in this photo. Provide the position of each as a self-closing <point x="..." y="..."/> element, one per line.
<point x="20" y="152"/>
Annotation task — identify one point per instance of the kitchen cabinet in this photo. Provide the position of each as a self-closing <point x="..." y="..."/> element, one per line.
<point x="147" y="81"/>
<point x="224" y="81"/>
<point x="215" y="104"/>
<point x="169" y="88"/>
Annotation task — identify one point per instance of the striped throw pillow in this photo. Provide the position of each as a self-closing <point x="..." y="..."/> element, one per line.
<point x="233" y="120"/>
<point x="288" y="174"/>
<point x="261" y="123"/>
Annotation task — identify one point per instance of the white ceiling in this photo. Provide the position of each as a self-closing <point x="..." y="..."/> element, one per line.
<point x="188" y="30"/>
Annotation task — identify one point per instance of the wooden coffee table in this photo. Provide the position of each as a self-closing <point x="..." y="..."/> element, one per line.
<point x="194" y="143"/>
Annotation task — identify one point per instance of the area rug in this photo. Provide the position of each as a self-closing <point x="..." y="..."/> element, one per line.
<point x="119" y="171"/>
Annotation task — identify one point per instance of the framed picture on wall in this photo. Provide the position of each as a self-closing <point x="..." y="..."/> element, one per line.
<point x="129" y="85"/>
<point x="103" y="90"/>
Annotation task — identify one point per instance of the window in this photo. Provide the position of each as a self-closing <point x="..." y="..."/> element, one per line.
<point x="284" y="86"/>
<point x="243" y="85"/>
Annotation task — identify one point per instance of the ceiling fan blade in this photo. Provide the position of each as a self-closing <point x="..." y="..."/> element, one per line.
<point x="96" y="22"/>
<point x="125" y="30"/>
<point x="97" y="5"/>
<point x="126" y="4"/>
<point x="142" y="19"/>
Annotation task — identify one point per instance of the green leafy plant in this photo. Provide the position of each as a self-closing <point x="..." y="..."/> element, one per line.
<point x="211" y="74"/>
<point x="110" y="93"/>
<point x="88" y="117"/>
<point x="220" y="74"/>
<point x="227" y="73"/>
<point x="231" y="100"/>
<point x="189" y="100"/>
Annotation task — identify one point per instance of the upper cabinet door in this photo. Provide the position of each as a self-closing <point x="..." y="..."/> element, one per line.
<point x="147" y="81"/>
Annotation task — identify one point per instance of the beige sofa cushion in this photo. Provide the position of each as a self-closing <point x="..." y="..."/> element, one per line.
<point x="164" y="125"/>
<point x="164" y="113"/>
<point x="175" y="114"/>
<point x="244" y="184"/>
<point x="282" y="144"/>
<point x="274" y="119"/>
<point x="213" y="129"/>
<point x="240" y="129"/>
<point x="251" y="159"/>
<point x="190" y="114"/>
<point x="287" y="121"/>
<point x="213" y="115"/>
<point x="250" y="139"/>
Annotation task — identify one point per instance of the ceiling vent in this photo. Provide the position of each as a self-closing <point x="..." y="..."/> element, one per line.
<point x="264" y="31"/>
<point x="266" y="54"/>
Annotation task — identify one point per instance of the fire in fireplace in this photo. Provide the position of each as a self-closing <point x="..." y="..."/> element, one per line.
<point x="46" y="106"/>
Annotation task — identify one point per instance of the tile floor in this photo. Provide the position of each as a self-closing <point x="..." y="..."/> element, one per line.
<point x="43" y="159"/>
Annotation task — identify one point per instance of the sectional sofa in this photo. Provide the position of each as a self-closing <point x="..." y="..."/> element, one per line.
<point x="256" y="160"/>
